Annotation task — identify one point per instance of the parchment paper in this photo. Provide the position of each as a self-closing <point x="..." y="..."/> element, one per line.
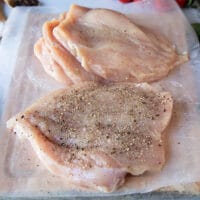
<point x="23" y="80"/>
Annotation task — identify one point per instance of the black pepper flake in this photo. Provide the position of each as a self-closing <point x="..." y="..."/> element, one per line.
<point x="16" y="119"/>
<point x="49" y="131"/>
<point x="160" y="145"/>
<point x="90" y="166"/>
<point x="179" y="143"/>
<point x="62" y="144"/>
<point x="164" y="110"/>
<point x="36" y="126"/>
<point x="22" y="116"/>
<point x="107" y="136"/>
<point x="157" y="115"/>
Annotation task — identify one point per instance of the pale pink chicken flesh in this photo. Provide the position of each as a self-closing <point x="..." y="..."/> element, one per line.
<point x="109" y="44"/>
<point x="50" y="66"/>
<point x="93" y="134"/>
<point x="71" y="67"/>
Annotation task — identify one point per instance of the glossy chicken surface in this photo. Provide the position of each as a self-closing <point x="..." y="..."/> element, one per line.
<point x="93" y="134"/>
<point x="110" y="45"/>
<point x="112" y="48"/>
<point x="71" y="67"/>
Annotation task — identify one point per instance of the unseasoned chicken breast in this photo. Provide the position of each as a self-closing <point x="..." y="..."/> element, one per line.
<point x="109" y="44"/>
<point x="93" y="135"/>
<point x="70" y="66"/>
<point x="50" y="66"/>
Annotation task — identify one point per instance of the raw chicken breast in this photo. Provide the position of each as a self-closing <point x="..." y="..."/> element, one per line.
<point x="50" y="66"/>
<point x="109" y="44"/>
<point x="93" y="135"/>
<point x="71" y="67"/>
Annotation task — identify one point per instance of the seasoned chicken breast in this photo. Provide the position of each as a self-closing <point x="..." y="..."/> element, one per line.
<point x="109" y="44"/>
<point x="93" y="134"/>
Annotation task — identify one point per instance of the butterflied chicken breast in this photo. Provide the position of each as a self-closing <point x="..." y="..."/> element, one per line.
<point x="93" y="134"/>
<point x="109" y="44"/>
<point x="69" y="64"/>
